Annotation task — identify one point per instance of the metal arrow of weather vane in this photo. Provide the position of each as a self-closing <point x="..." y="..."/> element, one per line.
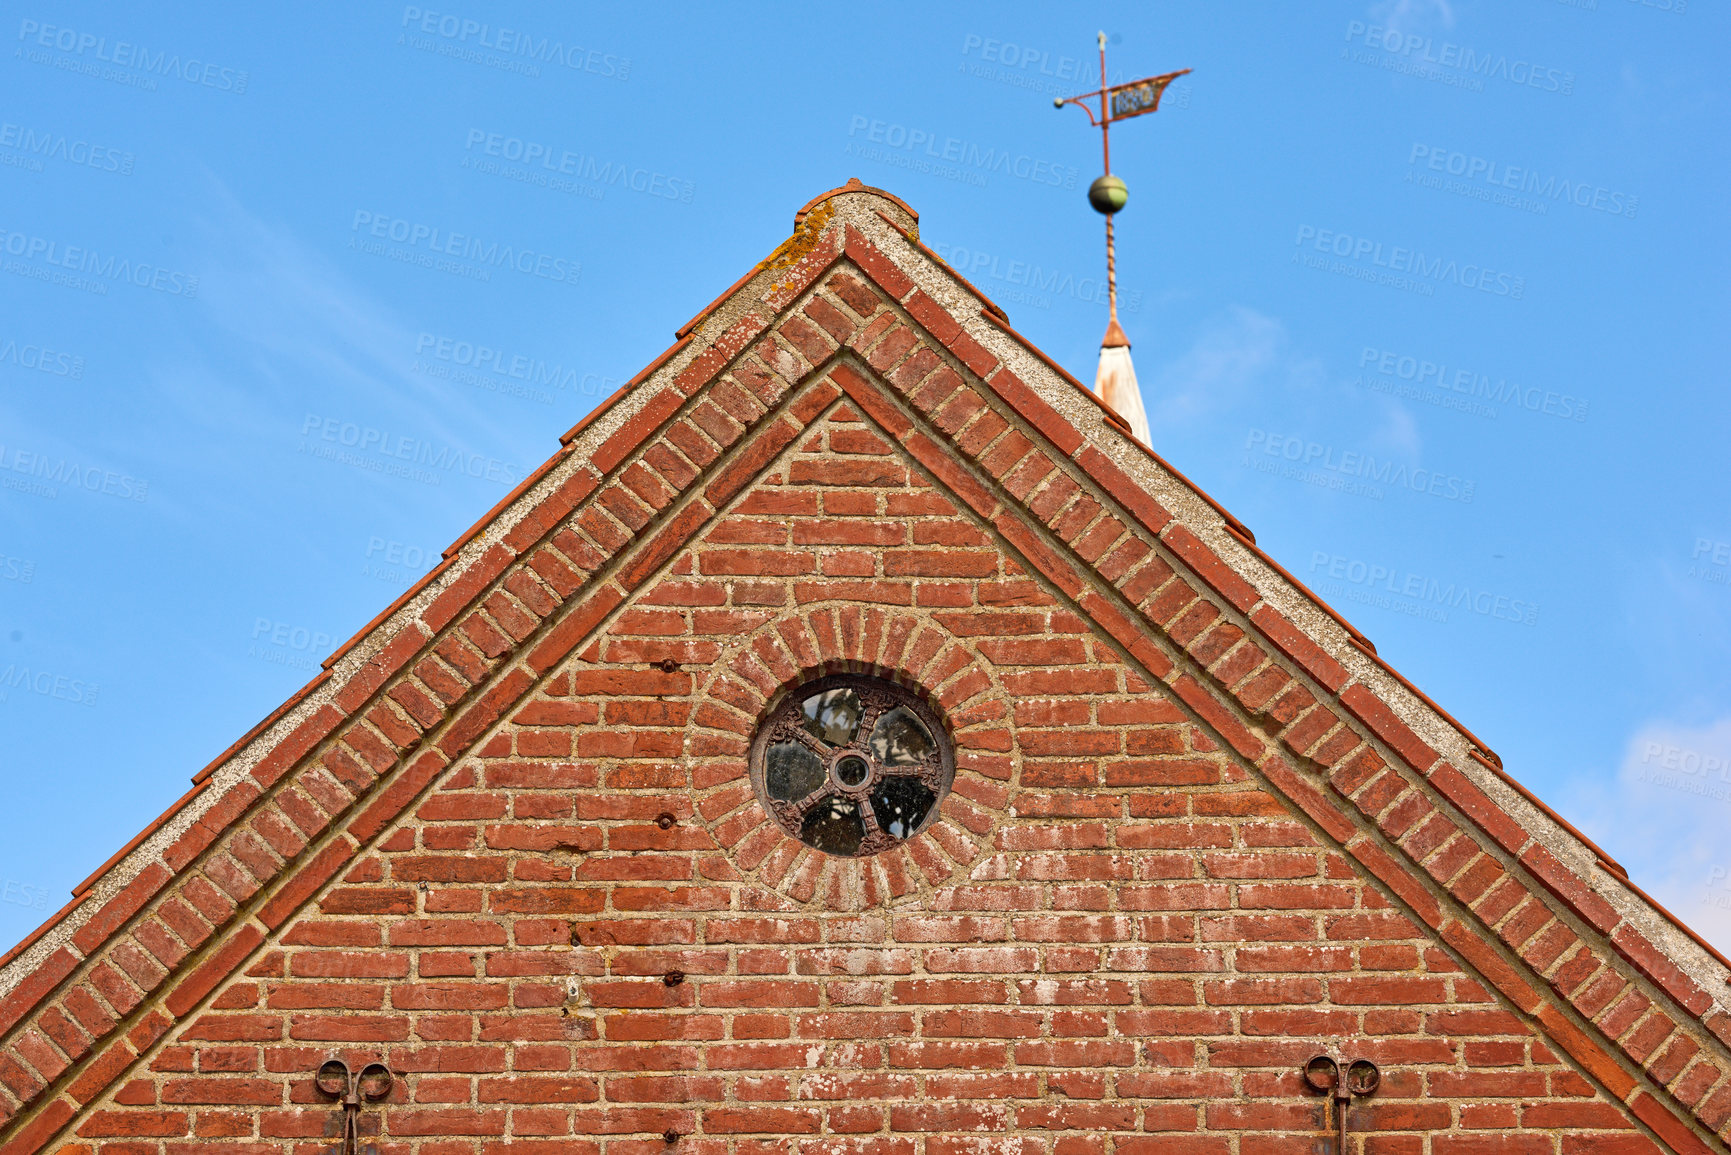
<point x="1116" y="379"/>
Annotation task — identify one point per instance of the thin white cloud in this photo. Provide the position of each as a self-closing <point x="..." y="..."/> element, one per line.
<point x="1240" y="351"/>
<point x="298" y="314"/>
<point x="1399" y="433"/>
<point x="1413" y="15"/>
<point x="285" y="329"/>
<point x="1665" y="818"/>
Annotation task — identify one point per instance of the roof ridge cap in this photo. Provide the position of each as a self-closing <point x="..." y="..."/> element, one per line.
<point x="855" y="185"/>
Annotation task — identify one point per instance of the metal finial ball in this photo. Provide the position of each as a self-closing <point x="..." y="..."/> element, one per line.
<point x="1108" y="195"/>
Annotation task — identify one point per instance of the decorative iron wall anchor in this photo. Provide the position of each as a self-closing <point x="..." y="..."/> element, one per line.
<point x="1341" y="1082"/>
<point x="372" y="1083"/>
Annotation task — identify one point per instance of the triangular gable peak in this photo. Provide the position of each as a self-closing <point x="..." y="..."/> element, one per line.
<point x="853" y="308"/>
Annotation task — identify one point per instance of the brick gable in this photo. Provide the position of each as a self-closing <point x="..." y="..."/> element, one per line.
<point x="1135" y="676"/>
<point x="1113" y="928"/>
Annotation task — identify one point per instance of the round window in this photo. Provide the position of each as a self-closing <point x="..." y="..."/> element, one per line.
<point x="851" y="765"/>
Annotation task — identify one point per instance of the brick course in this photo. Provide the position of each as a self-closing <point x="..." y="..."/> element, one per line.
<point x="1149" y="970"/>
<point x="1177" y="859"/>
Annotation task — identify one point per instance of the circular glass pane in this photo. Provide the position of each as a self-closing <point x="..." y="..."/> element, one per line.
<point x="834" y="826"/>
<point x="853" y="770"/>
<point x="833" y="716"/>
<point x="794" y="772"/>
<point x="848" y="733"/>
<point x="899" y="739"/>
<point x="901" y="804"/>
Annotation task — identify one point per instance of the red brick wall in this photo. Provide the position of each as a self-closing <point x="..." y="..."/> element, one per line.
<point x="1113" y="940"/>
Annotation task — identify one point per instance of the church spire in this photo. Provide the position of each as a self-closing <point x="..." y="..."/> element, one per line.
<point x="1115" y="380"/>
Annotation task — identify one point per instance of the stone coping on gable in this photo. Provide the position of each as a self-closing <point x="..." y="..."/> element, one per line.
<point x="482" y="554"/>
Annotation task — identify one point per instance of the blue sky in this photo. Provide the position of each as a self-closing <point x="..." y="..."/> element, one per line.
<point x="1431" y="294"/>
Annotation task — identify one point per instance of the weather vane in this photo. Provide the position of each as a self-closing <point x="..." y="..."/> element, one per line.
<point x="1116" y="379"/>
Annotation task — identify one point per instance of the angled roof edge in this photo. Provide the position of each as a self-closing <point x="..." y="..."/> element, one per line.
<point x="1324" y="626"/>
<point x="479" y="555"/>
<point x="462" y="559"/>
